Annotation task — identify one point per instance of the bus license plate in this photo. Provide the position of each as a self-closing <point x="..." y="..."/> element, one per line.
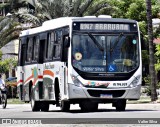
<point x="106" y="95"/>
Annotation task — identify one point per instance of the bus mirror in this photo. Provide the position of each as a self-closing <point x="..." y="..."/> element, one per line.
<point x="66" y="44"/>
<point x="66" y="41"/>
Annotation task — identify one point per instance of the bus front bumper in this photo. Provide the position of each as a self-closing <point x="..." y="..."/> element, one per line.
<point x="79" y="92"/>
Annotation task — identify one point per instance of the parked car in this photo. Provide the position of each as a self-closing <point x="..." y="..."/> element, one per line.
<point x="11" y="79"/>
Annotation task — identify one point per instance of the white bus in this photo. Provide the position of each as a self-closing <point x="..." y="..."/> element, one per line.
<point x="80" y="60"/>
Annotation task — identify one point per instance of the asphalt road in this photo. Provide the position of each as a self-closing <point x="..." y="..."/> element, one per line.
<point x="104" y="111"/>
<point x="134" y="114"/>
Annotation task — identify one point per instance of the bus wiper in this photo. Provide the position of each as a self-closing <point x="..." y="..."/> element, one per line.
<point x="116" y="42"/>
<point x="96" y="42"/>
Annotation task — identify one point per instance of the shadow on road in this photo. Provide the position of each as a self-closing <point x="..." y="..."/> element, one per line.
<point x="110" y="110"/>
<point x="101" y="110"/>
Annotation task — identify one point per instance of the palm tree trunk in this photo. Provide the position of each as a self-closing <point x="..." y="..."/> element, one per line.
<point x="70" y="7"/>
<point x="151" y="51"/>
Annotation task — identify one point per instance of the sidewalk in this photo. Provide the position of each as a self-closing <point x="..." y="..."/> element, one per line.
<point x="143" y="99"/>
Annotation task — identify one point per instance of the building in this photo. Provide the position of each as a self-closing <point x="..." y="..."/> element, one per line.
<point x="10" y="50"/>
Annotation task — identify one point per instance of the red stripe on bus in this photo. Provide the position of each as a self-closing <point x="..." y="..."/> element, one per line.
<point x="40" y="76"/>
<point x="35" y="81"/>
<point x="48" y="72"/>
<point x="20" y="81"/>
<point x="29" y="78"/>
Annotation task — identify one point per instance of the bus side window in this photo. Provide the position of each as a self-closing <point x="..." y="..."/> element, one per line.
<point x="41" y="51"/>
<point x="26" y="55"/>
<point x="46" y="41"/>
<point x="36" y="48"/>
<point x="29" y="50"/>
<point x="66" y="31"/>
<point x="22" y="52"/>
<point x="57" y="44"/>
<point x="50" y="45"/>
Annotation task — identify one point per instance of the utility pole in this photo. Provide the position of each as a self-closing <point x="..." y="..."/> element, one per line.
<point x="151" y="51"/>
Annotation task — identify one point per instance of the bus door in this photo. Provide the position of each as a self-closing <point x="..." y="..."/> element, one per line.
<point x="41" y="68"/>
<point x="63" y="67"/>
<point x="63" y="80"/>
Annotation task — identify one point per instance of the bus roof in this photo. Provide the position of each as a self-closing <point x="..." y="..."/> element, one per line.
<point x="65" y="21"/>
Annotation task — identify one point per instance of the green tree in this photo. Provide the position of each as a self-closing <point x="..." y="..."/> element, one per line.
<point x="1" y="55"/>
<point x="134" y="9"/>
<point x="6" y="65"/>
<point x="151" y="51"/>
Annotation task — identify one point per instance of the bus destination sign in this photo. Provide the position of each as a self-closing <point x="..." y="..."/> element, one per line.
<point x="104" y="27"/>
<point x="121" y="27"/>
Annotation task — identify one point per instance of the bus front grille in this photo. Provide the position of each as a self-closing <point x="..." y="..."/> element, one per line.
<point x="98" y="93"/>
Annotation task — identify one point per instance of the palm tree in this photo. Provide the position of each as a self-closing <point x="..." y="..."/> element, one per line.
<point x="44" y="10"/>
<point x="151" y="51"/>
<point x="8" y="30"/>
<point x="50" y="9"/>
<point x="11" y="25"/>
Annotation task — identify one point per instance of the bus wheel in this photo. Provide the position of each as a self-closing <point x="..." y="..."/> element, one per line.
<point x="87" y="106"/>
<point x="65" y="106"/>
<point x="44" y="106"/>
<point x="34" y="104"/>
<point x="120" y="105"/>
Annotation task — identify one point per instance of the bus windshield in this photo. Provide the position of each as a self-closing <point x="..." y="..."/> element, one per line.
<point x="98" y="53"/>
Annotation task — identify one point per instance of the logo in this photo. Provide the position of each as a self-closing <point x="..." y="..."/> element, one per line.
<point x="78" y="56"/>
<point x="21" y="121"/>
<point x="6" y="121"/>
<point x="112" y="68"/>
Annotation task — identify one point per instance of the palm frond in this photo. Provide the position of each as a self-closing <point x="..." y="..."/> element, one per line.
<point x="97" y="7"/>
<point x="76" y="6"/>
<point x="84" y="7"/>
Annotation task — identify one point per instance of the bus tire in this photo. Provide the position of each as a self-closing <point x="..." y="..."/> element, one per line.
<point x="44" y="106"/>
<point x="65" y="106"/>
<point x="120" y="105"/>
<point x="34" y="104"/>
<point x="4" y="100"/>
<point x="87" y="106"/>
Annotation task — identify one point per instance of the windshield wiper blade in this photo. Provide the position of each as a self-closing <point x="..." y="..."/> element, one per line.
<point x="96" y="42"/>
<point x="116" y="42"/>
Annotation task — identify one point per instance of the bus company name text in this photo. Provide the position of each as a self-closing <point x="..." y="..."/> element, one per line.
<point x="49" y="66"/>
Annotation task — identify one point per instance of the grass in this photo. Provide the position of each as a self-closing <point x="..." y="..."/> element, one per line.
<point x="143" y="99"/>
<point x="14" y="101"/>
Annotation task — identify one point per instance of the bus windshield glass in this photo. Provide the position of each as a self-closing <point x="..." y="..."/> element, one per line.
<point x="98" y="53"/>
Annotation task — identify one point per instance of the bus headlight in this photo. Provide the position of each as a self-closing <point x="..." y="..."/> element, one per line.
<point x="76" y="81"/>
<point x="135" y="81"/>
